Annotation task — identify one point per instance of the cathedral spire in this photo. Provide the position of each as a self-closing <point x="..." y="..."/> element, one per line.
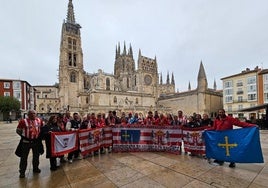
<point x="189" y="86"/>
<point x="215" y="85"/>
<point x="130" y="51"/>
<point x="168" y="82"/>
<point x="139" y="53"/>
<point x="202" y="78"/>
<point x="70" y="13"/>
<point x="124" y="50"/>
<point x="172" y="79"/>
<point x="118" y="50"/>
<point x="201" y="73"/>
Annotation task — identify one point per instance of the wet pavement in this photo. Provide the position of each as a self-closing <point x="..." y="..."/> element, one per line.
<point x="140" y="169"/>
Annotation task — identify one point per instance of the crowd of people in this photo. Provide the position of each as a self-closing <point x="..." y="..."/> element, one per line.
<point x="33" y="130"/>
<point x="92" y="120"/>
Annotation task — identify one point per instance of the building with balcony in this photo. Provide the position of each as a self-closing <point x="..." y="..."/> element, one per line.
<point x="245" y="90"/>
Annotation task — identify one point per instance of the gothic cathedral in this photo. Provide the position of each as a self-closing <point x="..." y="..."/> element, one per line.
<point x="128" y="89"/>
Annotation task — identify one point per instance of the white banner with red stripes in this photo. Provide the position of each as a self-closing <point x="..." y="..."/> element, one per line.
<point x="63" y="143"/>
<point x="93" y="139"/>
<point x="136" y="138"/>
<point x="193" y="140"/>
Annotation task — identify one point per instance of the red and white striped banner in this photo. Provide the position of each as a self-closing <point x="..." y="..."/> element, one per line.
<point x="63" y="143"/>
<point x="193" y="140"/>
<point x="93" y="139"/>
<point x="108" y="137"/>
<point x="129" y="138"/>
<point x="150" y="138"/>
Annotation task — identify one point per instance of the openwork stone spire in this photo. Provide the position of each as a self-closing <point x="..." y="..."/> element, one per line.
<point x="70" y="13"/>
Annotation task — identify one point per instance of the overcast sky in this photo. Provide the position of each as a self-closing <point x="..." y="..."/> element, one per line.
<point x="227" y="35"/>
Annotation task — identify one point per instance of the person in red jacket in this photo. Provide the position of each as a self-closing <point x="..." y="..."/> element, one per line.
<point x="149" y="120"/>
<point x="163" y="120"/>
<point x="224" y="122"/>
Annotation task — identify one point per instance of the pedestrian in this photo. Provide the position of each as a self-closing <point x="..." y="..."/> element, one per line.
<point x="206" y="121"/>
<point x="74" y="125"/>
<point x="191" y="123"/>
<point x="134" y="119"/>
<point x="224" y="122"/>
<point x="170" y="119"/>
<point x="86" y="122"/>
<point x="46" y="131"/>
<point x="182" y="120"/>
<point x="62" y="127"/>
<point x="29" y="130"/>
<point x="149" y="120"/>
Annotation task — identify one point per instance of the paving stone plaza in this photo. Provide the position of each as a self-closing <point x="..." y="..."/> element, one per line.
<point x="140" y="169"/>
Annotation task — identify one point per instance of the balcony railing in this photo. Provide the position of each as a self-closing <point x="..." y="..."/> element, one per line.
<point x="240" y="101"/>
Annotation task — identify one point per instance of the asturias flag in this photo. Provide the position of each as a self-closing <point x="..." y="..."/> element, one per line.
<point x="130" y="136"/>
<point x="238" y="145"/>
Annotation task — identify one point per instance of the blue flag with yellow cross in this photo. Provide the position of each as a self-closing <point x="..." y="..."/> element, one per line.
<point x="132" y="136"/>
<point x="238" y="145"/>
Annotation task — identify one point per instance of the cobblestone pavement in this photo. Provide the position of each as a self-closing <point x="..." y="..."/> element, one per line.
<point x="140" y="169"/>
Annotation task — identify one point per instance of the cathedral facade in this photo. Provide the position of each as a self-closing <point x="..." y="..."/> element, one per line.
<point x="129" y="88"/>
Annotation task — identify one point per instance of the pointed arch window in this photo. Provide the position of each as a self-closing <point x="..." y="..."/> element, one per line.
<point x="108" y="84"/>
<point x="135" y="80"/>
<point x="74" y="59"/>
<point x="115" y="99"/>
<point x="137" y="101"/>
<point x="128" y="83"/>
<point x="85" y="86"/>
<point x="74" y="44"/>
<point x="87" y="100"/>
<point x="69" y="43"/>
<point x="70" y="59"/>
<point x="73" y="77"/>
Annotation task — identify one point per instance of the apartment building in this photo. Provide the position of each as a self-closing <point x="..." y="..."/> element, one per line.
<point x="20" y="90"/>
<point x="245" y="90"/>
<point x="263" y="86"/>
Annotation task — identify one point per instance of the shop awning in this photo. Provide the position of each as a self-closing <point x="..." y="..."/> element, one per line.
<point x="255" y="108"/>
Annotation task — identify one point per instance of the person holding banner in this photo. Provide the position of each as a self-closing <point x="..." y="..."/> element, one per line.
<point x="110" y="120"/>
<point x="170" y="119"/>
<point x="51" y="126"/>
<point x="182" y="120"/>
<point x="206" y="121"/>
<point x="135" y="119"/>
<point x="86" y="122"/>
<point x="224" y="122"/>
<point x="149" y="120"/>
<point x="162" y="120"/>
<point x="67" y="117"/>
<point x="124" y="119"/>
<point x="74" y="125"/>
